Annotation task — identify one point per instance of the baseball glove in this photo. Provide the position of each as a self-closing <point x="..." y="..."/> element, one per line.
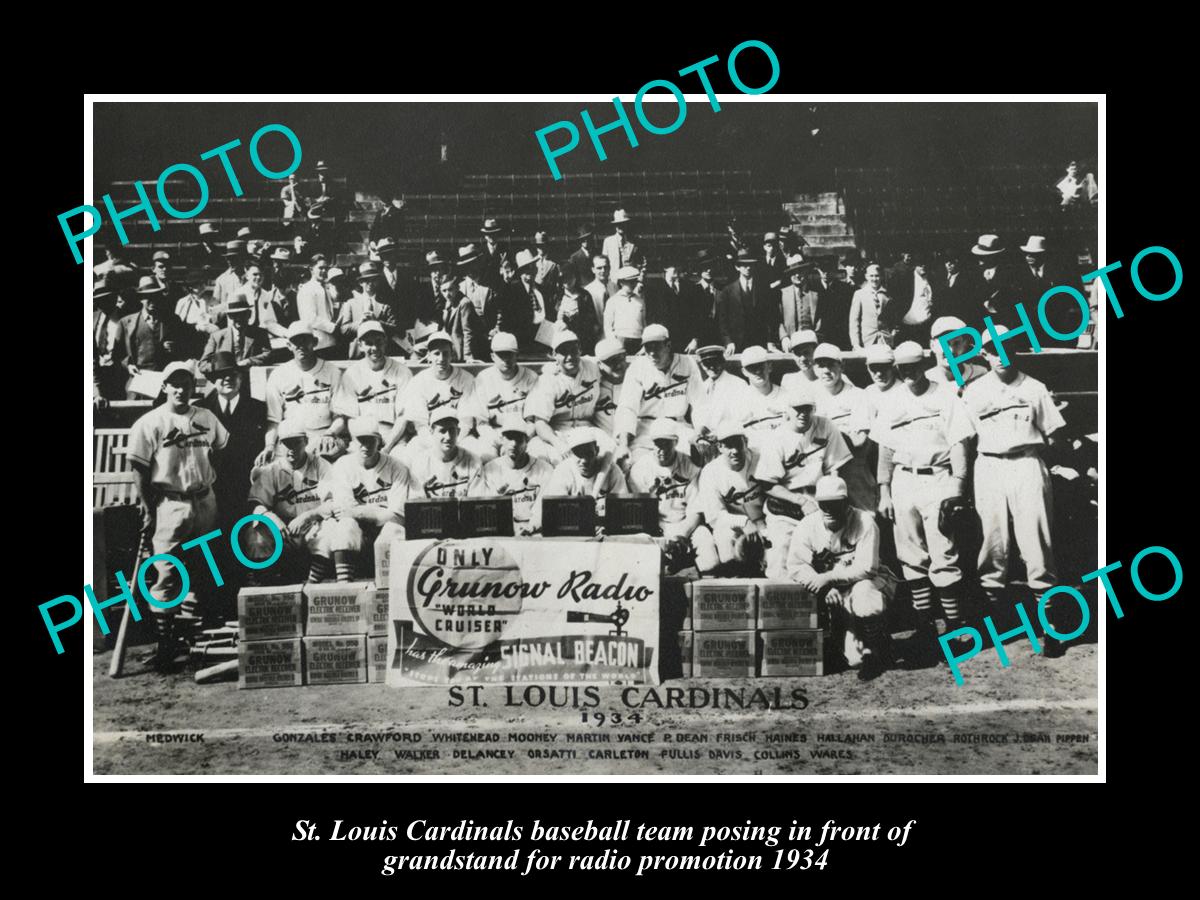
<point x="954" y="511"/>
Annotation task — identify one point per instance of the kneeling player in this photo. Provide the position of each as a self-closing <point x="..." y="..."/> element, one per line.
<point x="670" y="477"/>
<point x="731" y="503"/>
<point x="444" y="469"/>
<point x="518" y="475"/>
<point x="586" y="472"/>
<point x="835" y="554"/>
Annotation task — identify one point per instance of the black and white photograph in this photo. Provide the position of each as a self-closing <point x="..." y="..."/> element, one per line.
<point x="475" y="438"/>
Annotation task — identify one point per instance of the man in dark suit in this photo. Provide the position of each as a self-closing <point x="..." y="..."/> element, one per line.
<point x="493" y="252"/>
<point x="665" y="300"/>
<point x="578" y="269"/>
<point x="957" y="294"/>
<point x="246" y="421"/>
<point x="390" y="221"/>
<point x="898" y="279"/>
<point x="248" y="344"/>
<point x="698" y="304"/>
<point x="577" y="313"/>
<point x="150" y="339"/>
<point x="800" y="307"/>
<point x="747" y="311"/>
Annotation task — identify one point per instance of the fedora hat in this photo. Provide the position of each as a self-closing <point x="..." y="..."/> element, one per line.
<point x="490" y="226"/>
<point x="234" y="248"/>
<point x="1035" y="244"/>
<point x="369" y="271"/>
<point x="221" y="361"/>
<point x="238" y="304"/>
<point x="745" y="258"/>
<point x="467" y="254"/>
<point x="582" y="232"/>
<point x="282" y="254"/>
<point x="702" y="259"/>
<point x="620" y="217"/>
<point x="525" y="258"/>
<point x="148" y="287"/>
<point x="796" y="264"/>
<point x="385" y="245"/>
<point x="988" y="245"/>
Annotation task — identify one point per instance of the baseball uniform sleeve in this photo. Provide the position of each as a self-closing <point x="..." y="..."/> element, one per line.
<point x="561" y="483"/>
<point x="614" y="482"/>
<point x="262" y="486"/>
<point x="837" y="452"/>
<point x="1046" y="416"/>
<point x="799" y="554"/>
<point x="957" y="419"/>
<point x="540" y="402"/>
<point x="220" y="435"/>
<point x="344" y="402"/>
<point x="143" y="441"/>
<point x="769" y="468"/>
<point x="399" y="493"/>
<point x="274" y="400"/>
<point x="865" y="563"/>
<point x="630" y="403"/>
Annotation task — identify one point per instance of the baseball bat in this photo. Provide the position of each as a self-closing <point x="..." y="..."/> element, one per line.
<point x="116" y="666"/>
<point x="219" y="672"/>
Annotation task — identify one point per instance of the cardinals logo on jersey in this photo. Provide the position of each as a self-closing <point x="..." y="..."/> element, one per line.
<point x="999" y="409"/>
<point x="435" y="488"/>
<point x="176" y="438"/>
<point x="298" y="393"/>
<point x="301" y="494"/>
<point x="733" y="497"/>
<point x="797" y="459"/>
<point x="668" y="485"/>
<point x="367" y="394"/>
<point x="497" y="403"/>
<point x="657" y="390"/>
<point x="437" y="402"/>
<point x="363" y="496"/>
<point x="606" y="405"/>
<point x="566" y="399"/>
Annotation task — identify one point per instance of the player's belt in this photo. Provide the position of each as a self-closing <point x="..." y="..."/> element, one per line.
<point x="924" y="470"/>
<point x="777" y="506"/>
<point x="1012" y="454"/>
<point x="177" y="495"/>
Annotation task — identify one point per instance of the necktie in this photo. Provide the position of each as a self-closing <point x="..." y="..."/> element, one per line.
<point x="806" y="322"/>
<point x="533" y="302"/>
<point x="225" y="408"/>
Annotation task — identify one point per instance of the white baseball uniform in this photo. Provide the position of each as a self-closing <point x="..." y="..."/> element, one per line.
<point x="724" y="399"/>
<point x="607" y="397"/>
<point x="304" y="397"/>
<point x="721" y="495"/>
<point x="524" y="485"/>
<point x="651" y="394"/>
<point x="850" y="412"/>
<point x="364" y="391"/>
<point x="434" y="477"/>
<point x="427" y="395"/>
<point x="568" y="481"/>
<point x="500" y="401"/>
<point x="674" y="487"/>
<point x="387" y="484"/>
<point x="563" y="401"/>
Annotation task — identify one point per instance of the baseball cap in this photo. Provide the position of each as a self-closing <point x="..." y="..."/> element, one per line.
<point x="909" y="352"/>
<point x="710" y="350"/>
<point x="298" y="328"/>
<point x="804" y="336"/>
<point x="628" y="273"/>
<point x="447" y="415"/>
<point x="173" y="368"/>
<point x="999" y="329"/>
<point x="566" y="336"/>
<point x="363" y="426"/>
<point x="730" y="429"/>
<point x="655" y="332"/>
<point x="880" y="355"/>
<point x="513" y="426"/>
<point x="370" y="326"/>
<point x="830" y="487"/>
<point x="288" y="429"/>
<point x="503" y="342"/>
<point x="753" y="356"/>
<point x="439" y="337"/>
<point x="799" y="394"/>
<point x="945" y="324"/>
<point x="608" y="348"/>
<point x="827" y="351"/>
<point x="664" y="429"/>
<point x="580" y="436"/>
<point x="161" y="254"/>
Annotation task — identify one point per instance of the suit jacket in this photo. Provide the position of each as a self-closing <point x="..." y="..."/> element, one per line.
<point x="631" y="255"/>
<point x="871" y="326"/>
<point x="253" y="346"/>
<point x="959" y="299"/>
<point x="835" y="317"/>
<point x="898" y="280"/>
<point x="579" y="316"/>
<point x="577" y="271"/>
<point x="389" y="223"/>
<point x="793" y="302"/>
<point x="666" y="307"/>
<point x="489" y="265"/>
<point x="247" y="427"/>
<point x="151" y="347"/>
<point x="745" y="318"/>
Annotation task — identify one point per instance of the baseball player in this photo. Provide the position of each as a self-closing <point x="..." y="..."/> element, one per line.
<point x="835" y="554"/>
<point x="766" y="411"/>
<point x="518" y="475"/>
<point x="671" y="478"/>
<point x="804" y="342"/>
<point x="444" y="469"/>
<point x="500" y="393"/>
<point x="881" y="367"/>
<point x="803" y="450"/>
<point x="171" y="449"/>
<point x="661" y="384"/>
<point x="283" y="490"/>
<point x="847" y="407"/>
<point x="564" y="399"/>
<point x="940" y="371"/>
<point x="613" y="363"/>
<point x="369" y="386"/>
<point x="437" y="389"/>
<point x="1016" y="420"/>
<point x="731" y="502"/>
<point x="302" y="391"/>
<point x="922" y="428"/>
<point x="363" y="499"/>
<point x="587" y="472"/>
<point x="723" y="396"/>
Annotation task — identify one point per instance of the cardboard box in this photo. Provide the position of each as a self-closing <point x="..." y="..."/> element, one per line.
<point x="377" y="656"/>
<point x="270" y="613"/>
<point x="724" y="604"/>
<point x="723" y="654"/>
<point x="334" y="659"/>
<point x="383" y="554"/>
<point x="793" y="653"/>
<point x="375" y="600"/>
<point x="785" y="605"/>
<point x="685" y="653"/>
<point x="263" y="664"/>
<point x="337" y="608"/>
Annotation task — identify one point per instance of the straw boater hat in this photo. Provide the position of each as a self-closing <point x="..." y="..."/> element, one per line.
<point x="234" y="248"/>
<point x="525" y="258"/>
<point x="988" y="245"/>
<point x="1035" y="244"/>
<point x="148" y="287"/>
<point x="434" y="259"/>
<point x="385" y="245"/>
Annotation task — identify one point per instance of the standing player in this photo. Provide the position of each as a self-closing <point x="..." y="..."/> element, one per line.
<point x="171" y="450"/>
<point x="369" y="386"/>
<point x="518" y="475"/>
<point x="671" y="478"/>
<point x="564" y="399"/>
<point x="1016" y="420"/>
<point x="808" y="447"/>
<point x="922" y="428"/>
<point x="848" y="408"/>
<point x="302" y="391"/>
<point x="443" y="468"/>
<point x="731" y="503"/>
<point x="500" y="392"/>
<point x="835" y="554"/>
<point x="438" y="389"/>
<point x="881" y="366"/>
<point x="960" y="345"/>
<point x="613" y="363"/>
<point x="660" y="385"/>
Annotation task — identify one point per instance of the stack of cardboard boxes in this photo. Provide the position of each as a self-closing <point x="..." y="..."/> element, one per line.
<point x="747" y="627"/>
<point x="312" y="634"/>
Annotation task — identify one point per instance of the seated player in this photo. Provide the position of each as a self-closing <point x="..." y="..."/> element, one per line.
<point x="370" y="386"/>
<point x="662" y="384"/>
<point x="283" y="490"/>
<point x="835" y="554"/>
<point x="671" y="478"/>
<point x="437" y="389"/>
<point x="723" y="397"/>
<point x="803" y="344"/>
<point x="765" y="412"/>
<point x="613" y="363"/>
<point x="443" y="468"/>
<point x="362" y="500"/>
<point x="848" y="408"/>
<point x="733" y="535"/>
<point x="564" y="399"/>
<point x="500" y="393"/>
<point x="516" y="474"/>
<point x="959" y="345"/>
<point x="806" y="448"/>
<point x="302" y="391"/>
<point x="587" y="472"/>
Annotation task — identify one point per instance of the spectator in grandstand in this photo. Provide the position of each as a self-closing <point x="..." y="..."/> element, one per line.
<point x="665" y="299"/>
<point x="577" y="313"/>
<point x="747" y="311"/>
<point x="698" y="321"/>
<point x="108" y="376"/>
<point x="493" y="253"/>
<point x="365" y="306"/>
<point x="600" y="288"/>
<point x="459" y="320"/>
<point x="625" y="312"/>
<point x="801" y="307"/>
<point x="918" y="311"/>
<point x="773" y="262"/>
<point x="246" y="421"/>
<point x="1076" y="190"/>
<point x="150" y="339"/>
<point x="578" y="268"/>
<point x="898" y="280"/>
<point x="314" y="307"/>
<point x="957" y="294"/>
<point x="619" y="246"/>
<point x="293" y="200"/>
<point x="548" y="276"/>
<point x="999" y="291"/>
<point x="540" y="306"/>
<point x="193" y="311"/>
<point x="248" y="344"/>
<point x="389" y="223"/>
<point x="872" y="313"/>
<point x="229" y="282"/>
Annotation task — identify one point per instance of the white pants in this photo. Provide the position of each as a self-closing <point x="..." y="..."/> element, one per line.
<point x="175" y="523"/>
<point x="861" y="600"/>
<point x="1014" y="492"/>
<point x="720" y="543"/>
<point x="923" y="550"/>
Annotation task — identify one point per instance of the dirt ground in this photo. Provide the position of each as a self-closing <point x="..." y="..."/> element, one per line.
<point x="1037" y="716"/>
